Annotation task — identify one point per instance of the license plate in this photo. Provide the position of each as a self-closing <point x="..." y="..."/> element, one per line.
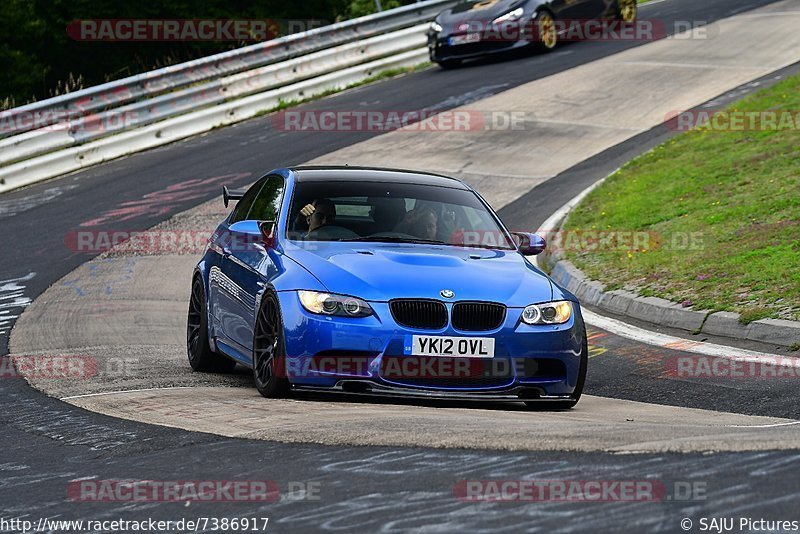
<point x="465" y="39"/>
<point x="457" y="347"/>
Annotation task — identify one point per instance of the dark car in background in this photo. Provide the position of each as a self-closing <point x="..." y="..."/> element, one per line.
<point x="473" y="28"/>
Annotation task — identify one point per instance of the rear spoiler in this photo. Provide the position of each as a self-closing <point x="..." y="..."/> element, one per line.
<point x="228" y="195"/>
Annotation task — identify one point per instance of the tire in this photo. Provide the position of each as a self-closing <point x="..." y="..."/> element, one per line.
<point x="547" y="38"/>
<point x="269" y="359"/>
<point x="448" y="64"/>
<point x="201" y="358"/>
<point x="627" y="10"/>
<point x="576" y="395"/>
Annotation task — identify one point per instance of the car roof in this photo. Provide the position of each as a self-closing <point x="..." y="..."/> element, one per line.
<point x="373" y="174"/>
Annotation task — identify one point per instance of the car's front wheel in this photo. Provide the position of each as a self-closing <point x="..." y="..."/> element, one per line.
<point x="201" y="357"/>
<point x="576" y="395"/>
<point x="627" y="10"/>
<point x="269" y="359"/>
<point x="546" y="31"/>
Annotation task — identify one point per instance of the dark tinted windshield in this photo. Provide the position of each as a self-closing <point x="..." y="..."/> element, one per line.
<point x="392" y="212"/>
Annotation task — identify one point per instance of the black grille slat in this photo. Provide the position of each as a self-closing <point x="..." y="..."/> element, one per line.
<point x="478" y="316"/>
<point x="422" y="314"/>
<point x="432" y="315"/>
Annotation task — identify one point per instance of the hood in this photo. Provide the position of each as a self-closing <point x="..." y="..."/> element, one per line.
<point x="380" y="272"/>
<point x="474" y="11"/>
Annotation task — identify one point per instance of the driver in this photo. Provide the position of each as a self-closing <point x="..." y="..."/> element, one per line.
<point x="319" y="213"/>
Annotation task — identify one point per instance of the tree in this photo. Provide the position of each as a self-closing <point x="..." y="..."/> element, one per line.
<point x="40" y="59"/>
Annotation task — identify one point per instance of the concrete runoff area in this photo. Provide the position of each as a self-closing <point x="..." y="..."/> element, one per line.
<point x="127" y="312"/>
<point x="597" y="424"/>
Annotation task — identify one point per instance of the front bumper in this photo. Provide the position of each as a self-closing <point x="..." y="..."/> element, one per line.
<point x="367" y="356"/>
<point x="440" y="49"/>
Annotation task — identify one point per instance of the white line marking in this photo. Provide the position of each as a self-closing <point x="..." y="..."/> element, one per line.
<point x="123" y="391"/>
<point x="767" y="14"/>
<point x="702" y="66"/>
<point x="10" y="208"/>
<point x="766" y="426"/>
<point x="12" y="297"/>
<point x="587" y="125"/>
<point x="500" y="175"/>
<point x="677" y="343"/>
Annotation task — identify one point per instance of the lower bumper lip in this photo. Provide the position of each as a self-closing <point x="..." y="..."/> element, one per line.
<point x="445" y="51"/>
<point x="374" y="389"/>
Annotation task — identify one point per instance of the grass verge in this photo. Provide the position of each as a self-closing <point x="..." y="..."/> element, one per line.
<point x="720" y="211"/>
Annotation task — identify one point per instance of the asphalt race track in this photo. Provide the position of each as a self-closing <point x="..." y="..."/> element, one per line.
<point x="365" y="484"/>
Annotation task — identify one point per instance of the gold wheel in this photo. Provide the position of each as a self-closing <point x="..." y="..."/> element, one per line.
<point x="627" y="10"/>
<point x="547" y="30"/>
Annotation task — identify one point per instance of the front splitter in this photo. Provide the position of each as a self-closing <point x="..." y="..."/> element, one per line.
<point x="373" y="389"/>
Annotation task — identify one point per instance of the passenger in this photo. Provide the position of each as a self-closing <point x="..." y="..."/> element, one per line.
<point x="447" y="224"/>
<point x="420" y="222"/>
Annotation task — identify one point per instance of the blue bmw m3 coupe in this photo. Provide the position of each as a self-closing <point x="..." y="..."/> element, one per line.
<point x="382" y="282"/>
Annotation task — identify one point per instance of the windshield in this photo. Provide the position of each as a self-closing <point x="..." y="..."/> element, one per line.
<point x="392" y="213"/>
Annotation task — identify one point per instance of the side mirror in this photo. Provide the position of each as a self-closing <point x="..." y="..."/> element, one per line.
<point x="246" y="233"/>
<point x="529" y="244"/>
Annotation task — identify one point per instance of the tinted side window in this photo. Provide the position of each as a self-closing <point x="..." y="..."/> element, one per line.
<point x="244" y="205"/>
<point x="268" y="202"/>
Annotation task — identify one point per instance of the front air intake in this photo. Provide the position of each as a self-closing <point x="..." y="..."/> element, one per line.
<point x="419" y="314"/>
<point x="478" y="316"/>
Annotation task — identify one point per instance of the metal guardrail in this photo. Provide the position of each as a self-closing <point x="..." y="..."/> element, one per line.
<point x="137" y="114"/>
<point x="133" y="114"/>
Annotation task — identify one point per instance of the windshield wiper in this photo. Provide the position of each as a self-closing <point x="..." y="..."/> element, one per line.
<point x="393" y="239"/>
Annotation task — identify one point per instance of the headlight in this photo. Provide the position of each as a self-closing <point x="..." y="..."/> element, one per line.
<point x="436" y="27"/>
<point x="329" y="304"/>
<point x="511" y="15"/>
<point x="548" y="313"/>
